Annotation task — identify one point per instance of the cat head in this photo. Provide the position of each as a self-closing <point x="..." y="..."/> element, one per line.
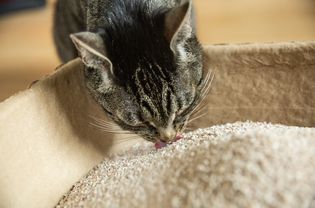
<point x="145" y="68"/>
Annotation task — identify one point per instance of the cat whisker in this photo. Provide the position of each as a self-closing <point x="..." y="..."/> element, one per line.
<point x="206" y="81"/>
<point x="114" y="131"/>
<point x="105" y="127"/>
<point x="205" y="91"/>
<point x="199" y="109"/>
<point x="126" y="140"/>
<point x="197" y="117"/>
<point x="108" y="126"/>
<point x="99" y="120"/>
<point x="188" y="129"/>
<point x="104" y="122"/>
<point x="208" y="85"/>
<point x="131" y="136"/>
<point x="199" y="113"/>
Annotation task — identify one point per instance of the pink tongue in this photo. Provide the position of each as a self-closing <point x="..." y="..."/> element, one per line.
<point x="178" y="137"/>
<point x="159" y="144"/>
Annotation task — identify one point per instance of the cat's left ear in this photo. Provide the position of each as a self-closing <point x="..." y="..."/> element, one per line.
<point x="178" y="24"/>
<point x="92" y="50"/>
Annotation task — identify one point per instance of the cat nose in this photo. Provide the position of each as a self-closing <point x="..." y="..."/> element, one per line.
<point x="167" y="135"/>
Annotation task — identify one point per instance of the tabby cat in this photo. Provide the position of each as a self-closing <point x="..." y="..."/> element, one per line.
<point x="143" y="62"/>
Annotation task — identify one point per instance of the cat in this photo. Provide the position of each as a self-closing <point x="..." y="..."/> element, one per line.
<point x="143" y="61"/>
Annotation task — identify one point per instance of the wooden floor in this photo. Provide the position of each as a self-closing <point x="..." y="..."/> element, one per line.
<point x="27" y="51"/>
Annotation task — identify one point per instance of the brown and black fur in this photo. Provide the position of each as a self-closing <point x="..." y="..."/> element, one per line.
<point x="143" y="60"/>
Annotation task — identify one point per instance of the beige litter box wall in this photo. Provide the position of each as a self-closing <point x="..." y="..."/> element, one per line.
<point x="262" y="82"/>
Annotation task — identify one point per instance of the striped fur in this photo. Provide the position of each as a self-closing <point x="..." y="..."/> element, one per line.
<point x="147" y="83"/>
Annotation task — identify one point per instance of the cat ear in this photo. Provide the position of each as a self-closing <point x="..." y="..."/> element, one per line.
<point x="178" y="24"/>
<point x="92" y="50"/>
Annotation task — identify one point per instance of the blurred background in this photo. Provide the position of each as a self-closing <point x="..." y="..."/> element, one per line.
<point x="27" y="51"/>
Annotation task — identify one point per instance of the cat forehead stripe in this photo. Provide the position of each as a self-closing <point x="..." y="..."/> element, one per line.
<point x="156" y="101"/>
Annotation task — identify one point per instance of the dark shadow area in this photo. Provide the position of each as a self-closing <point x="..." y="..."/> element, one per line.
<point x="9" y="6"/>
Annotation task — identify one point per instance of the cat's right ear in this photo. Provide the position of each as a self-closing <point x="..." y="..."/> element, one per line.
<point x="92" y="50"/>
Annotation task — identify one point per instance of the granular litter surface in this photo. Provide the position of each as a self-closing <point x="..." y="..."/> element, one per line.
<point x="233" y="165"/>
